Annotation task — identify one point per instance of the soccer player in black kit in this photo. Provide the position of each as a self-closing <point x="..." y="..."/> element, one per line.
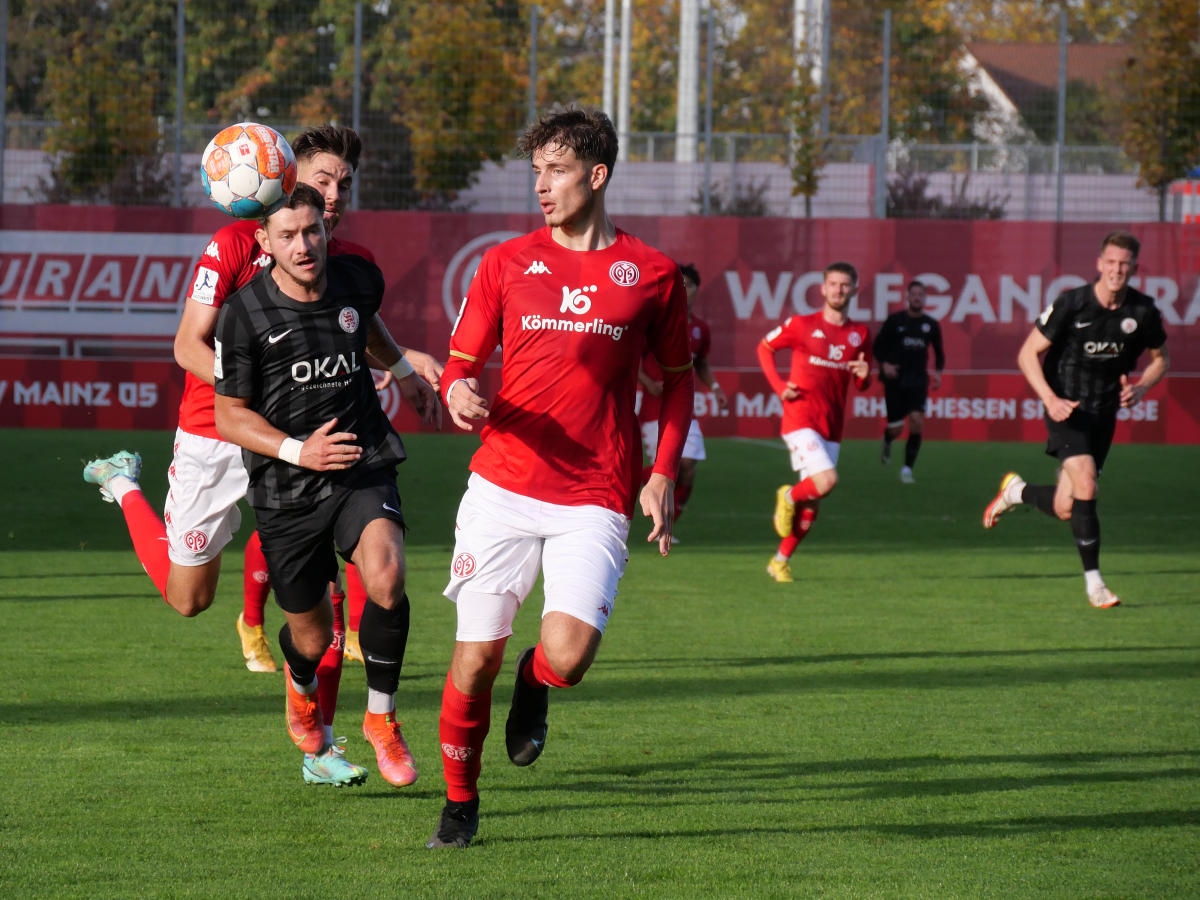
<point x="294" y="391"/>
<point x="902" y="349"/>
<point x="1092" y="337"/>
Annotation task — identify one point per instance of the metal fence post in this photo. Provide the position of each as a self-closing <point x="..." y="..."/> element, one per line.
<point x="884" y="111"/>
<point x="1060" y="137"/>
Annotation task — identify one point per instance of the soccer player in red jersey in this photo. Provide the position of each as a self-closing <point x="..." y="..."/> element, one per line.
<point x="573" y="305"/>
<point x="828" y="351"/>
<point x="650" y="378"/>
<point x="181" y="552"/>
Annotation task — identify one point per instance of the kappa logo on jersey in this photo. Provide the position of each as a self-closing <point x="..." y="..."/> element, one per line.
<point x="213" y="250"/>
<point x="819" y="334"/>
<point x="537" y="267"/>
<point x="348" y="319"/>
<point x="577" y="301"/>
<point x="624" y="273"/>
<point x="204" y="288"/>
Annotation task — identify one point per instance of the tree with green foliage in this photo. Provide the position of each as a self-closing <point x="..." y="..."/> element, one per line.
<point x="1160" y="96"/>
<point x="106" y="146"/>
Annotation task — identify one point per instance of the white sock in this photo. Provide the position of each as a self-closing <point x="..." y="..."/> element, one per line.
<point x="379" y="702"/>
<point x="305" y="689"/>
<point x="1012" y="493"/>
<point x="119" y="486"/>
<point x="1092" y="580"/>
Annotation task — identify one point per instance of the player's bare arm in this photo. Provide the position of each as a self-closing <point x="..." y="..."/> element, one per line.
<point x="415" y="389"/>
<point x="1028" y="361"/>
<point x="658" y="502"/>
<point x="705" y="374"/>
<point x="325" y="450"/>
<point x="652" y="386"/>
<point x="194" y="339"/>
<point x="1132" y="393"/>
<point x="427" y="366"/>
<point x="465" y="405"/>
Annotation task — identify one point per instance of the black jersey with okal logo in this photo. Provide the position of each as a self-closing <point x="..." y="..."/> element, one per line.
<point x="1091" y="347"/>
<point x="300" y="365"/>
<point x="905" y="340"/>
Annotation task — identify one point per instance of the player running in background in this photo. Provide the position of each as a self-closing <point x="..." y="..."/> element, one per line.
<point x="1092" y="337"/>
<point x="651" y="380"/>
<point x="182" y="555"/>
<point x="902" y="350"/>
<point x="553" y="482"/>
<point x="293" y="390"/>
<point x="827" y="352"/>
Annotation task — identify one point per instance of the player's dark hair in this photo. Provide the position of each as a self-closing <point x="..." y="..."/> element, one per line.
<point x="586" y="131"/>
<point x="914" y="283"/>
<point x="1122" y="239"/>
<point x="690" y="272"/>
<point x="845" y="268"/>
<point x="339" y="140"/>
<point x="302" y="195"/>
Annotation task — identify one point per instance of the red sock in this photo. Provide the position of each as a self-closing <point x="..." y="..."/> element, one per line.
<point x="356" y="597"/>
<point x="256" y="582"/>
<point x="537" y="671"/>
<point x="149" y="536"/>
<point x="805" y="491"/>
<point x="462" y="728"/>
<point x="805" y="516"/>
<point x="329" y="669"/>
<point x="682" y="492"/>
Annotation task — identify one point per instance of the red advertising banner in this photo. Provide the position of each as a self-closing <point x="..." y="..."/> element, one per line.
<point x="90" y="299"/>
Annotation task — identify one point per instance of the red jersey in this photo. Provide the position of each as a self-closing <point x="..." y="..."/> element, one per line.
<point x="820" y="353"/>
<point x="699" y="342"/>
<point x="232" y="258"/>
<point x="572" y="327"/>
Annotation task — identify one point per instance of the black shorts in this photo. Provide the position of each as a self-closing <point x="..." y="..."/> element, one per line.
<point x="902" y="399"/>
<point x="299" y="544"/>
<point x="1082" y="434"/>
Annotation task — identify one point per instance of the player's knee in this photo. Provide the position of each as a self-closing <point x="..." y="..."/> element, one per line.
<point x="385" y="584"/>
<point x="825" y="481"/>
<point x="569" y="661"/>
<point x="189" y="603"/>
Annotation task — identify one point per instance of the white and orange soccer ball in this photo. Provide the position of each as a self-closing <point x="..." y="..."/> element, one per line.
<point x="248" y="170"/>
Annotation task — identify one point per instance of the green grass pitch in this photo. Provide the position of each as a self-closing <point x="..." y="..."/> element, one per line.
<point x="931" y="710"/>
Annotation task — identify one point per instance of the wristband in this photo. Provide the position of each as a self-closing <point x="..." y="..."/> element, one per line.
<point x="402" y="368"/>
<point x="289" y="450"/>
<point x="451" y="388"/>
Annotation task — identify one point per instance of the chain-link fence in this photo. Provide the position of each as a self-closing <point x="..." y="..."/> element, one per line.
<point x="913" y="121"/>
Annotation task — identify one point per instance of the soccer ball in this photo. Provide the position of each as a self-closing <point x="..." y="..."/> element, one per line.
<point x="248" y="170"/>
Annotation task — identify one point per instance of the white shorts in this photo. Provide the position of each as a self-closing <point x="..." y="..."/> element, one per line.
<point x="810" y="452"/>
<point x="502" y="540"/>
<point x="207" y="479"/>
<point x="693" y="447"/>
